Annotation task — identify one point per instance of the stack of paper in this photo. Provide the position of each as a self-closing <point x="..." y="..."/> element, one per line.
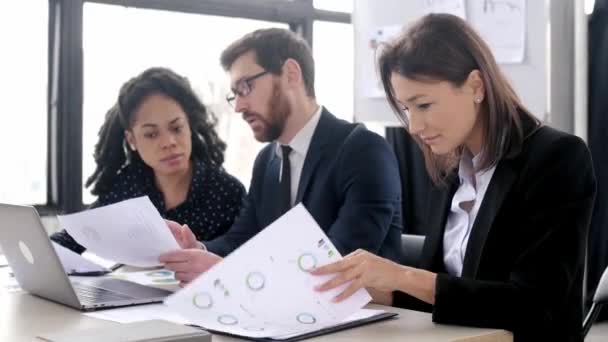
<point x="130" y="232"/>
<point x="160" y="311"/>
<point x="264" y="288"/>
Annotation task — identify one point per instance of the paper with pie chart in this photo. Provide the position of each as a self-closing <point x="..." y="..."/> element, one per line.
<point x="264" y="289"/>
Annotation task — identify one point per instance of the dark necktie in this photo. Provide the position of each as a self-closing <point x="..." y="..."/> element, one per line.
<point x="284" y="200"/>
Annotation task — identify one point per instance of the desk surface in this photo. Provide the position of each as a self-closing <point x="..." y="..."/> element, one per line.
<point x="23" y="317"/>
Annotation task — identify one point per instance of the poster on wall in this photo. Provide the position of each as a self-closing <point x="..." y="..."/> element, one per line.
<point x="378" y="36"/>
<point x="503" y="25"/>
<point x="455" y="7"/>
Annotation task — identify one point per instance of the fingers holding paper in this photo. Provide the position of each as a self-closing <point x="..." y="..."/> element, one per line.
<point x="189" y="263"/>
<point x="363" y="270"/>
<point x="183" y="235"/>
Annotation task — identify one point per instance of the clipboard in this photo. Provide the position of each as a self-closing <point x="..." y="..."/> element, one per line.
<point x="324" y="331"/>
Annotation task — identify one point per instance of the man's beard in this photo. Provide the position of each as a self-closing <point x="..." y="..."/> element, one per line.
<point x="280" y="110"/>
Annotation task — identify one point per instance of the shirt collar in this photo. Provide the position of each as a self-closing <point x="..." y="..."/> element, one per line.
<point x="468" y="168"/>
<point x="301" y="141"/>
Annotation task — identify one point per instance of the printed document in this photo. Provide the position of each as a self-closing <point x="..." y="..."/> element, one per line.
<point x="264" y="288"/>
<point x="130" y="232"/>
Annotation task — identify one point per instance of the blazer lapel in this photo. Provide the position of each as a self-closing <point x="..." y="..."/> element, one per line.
<point x="315" y="153"/>
<point x="499" y="186"/>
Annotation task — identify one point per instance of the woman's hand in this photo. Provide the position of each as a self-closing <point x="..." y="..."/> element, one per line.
<point x="382" y="276"/>
<point x="364" y="269"/>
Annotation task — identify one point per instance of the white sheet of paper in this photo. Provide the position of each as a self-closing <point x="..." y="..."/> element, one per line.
<point x="502" y="24"/>
<point x="130" y="232"/>
<point x="8" y="282"/>
<point x="139" y="313"/>
<point x="455" y="7"/>
<point x="264" y="289"/>
<point x="160" y="311"/>
<point x="3" y="261"/>
<point x="109" y="264"/>
<point x="74" y="262"/>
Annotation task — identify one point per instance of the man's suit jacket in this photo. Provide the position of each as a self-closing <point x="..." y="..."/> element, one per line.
<point x="350" y="184"/>
<point x="523" y="266"/>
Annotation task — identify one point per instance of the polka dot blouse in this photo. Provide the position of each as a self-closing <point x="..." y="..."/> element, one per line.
<point x="213" y="202"/>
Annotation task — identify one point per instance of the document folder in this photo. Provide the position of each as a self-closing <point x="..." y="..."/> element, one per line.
<point x="335" y="328"/>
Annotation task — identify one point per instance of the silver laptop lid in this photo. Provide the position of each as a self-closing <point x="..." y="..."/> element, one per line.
<point x="31" y="256"/>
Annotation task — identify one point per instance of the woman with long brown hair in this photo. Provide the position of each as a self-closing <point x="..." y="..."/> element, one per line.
<point x="514" y="197"/>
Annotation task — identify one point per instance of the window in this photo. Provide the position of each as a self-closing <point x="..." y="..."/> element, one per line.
<point x="334" y="5"/>
<point x="23" y="133"/>
<point x="589" y="5"/>
<point x="190" y="44"/>
<point x="334" y="74"/>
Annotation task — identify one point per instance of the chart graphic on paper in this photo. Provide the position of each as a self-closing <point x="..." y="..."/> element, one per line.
<point x="153" y="277"/>
<point x="264" y="288"/>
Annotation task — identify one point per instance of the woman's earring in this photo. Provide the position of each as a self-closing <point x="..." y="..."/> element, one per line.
<point x="132" y="147"/>
<point x="478" y="100"/>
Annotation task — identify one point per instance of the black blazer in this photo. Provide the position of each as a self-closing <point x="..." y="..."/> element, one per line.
<point x="350" y="184"/>
<point x="523" y="267"/>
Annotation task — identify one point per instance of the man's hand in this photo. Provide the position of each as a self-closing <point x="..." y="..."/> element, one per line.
<point x="183" y="235"/>
<point x="188" y="263"/>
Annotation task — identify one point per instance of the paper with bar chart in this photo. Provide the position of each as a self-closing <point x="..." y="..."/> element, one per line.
<point x="264" y="289"/>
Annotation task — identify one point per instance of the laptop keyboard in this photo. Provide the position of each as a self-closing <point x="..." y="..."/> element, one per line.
<point x="91" y="294"/>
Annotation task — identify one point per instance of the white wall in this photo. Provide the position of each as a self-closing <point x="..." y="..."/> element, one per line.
<point x="545" y="81"/>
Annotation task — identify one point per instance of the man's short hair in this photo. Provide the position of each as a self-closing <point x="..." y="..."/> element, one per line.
<point x="272" y="47"/>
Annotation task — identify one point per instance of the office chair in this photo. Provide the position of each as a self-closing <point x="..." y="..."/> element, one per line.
<point x="599" y="299"/>
<point x="411" y="249"/>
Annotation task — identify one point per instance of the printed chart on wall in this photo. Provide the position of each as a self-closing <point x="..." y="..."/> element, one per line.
<point x="386" y="33"/>
<point x="379" y="36"/>
<point x="455" y="7"/>
<point x="264" y="288"/>
<point x="503" y="25"/>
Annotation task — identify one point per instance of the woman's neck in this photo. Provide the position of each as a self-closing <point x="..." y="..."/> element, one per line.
<point x="174" y="187"/>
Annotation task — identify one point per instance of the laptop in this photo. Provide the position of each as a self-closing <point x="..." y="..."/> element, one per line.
<point x="38" y="270"/>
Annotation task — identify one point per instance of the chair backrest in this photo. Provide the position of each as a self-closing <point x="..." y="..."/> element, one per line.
<point x="411" y="249"/>
<point x="599" y="298"/>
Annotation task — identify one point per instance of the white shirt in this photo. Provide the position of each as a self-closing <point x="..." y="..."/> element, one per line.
<point x="299" y="144"/>
<point x="463" y="211"/>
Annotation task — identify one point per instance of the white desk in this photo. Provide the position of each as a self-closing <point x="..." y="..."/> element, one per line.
<point x="23" y="317"/>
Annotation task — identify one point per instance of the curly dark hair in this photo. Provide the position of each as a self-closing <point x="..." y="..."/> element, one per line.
<point x="111" y="152"/>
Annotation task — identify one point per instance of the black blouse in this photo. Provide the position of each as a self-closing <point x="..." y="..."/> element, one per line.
<point x="214" y="200"/>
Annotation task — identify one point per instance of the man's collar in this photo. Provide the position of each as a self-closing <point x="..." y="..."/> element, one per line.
<point x="301" y="141"/>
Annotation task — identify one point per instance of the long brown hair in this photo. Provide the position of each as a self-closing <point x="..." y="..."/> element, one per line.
<point x="444" y="47"/>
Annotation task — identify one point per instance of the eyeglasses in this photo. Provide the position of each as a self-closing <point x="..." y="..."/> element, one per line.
<point x="243" y="87"/>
